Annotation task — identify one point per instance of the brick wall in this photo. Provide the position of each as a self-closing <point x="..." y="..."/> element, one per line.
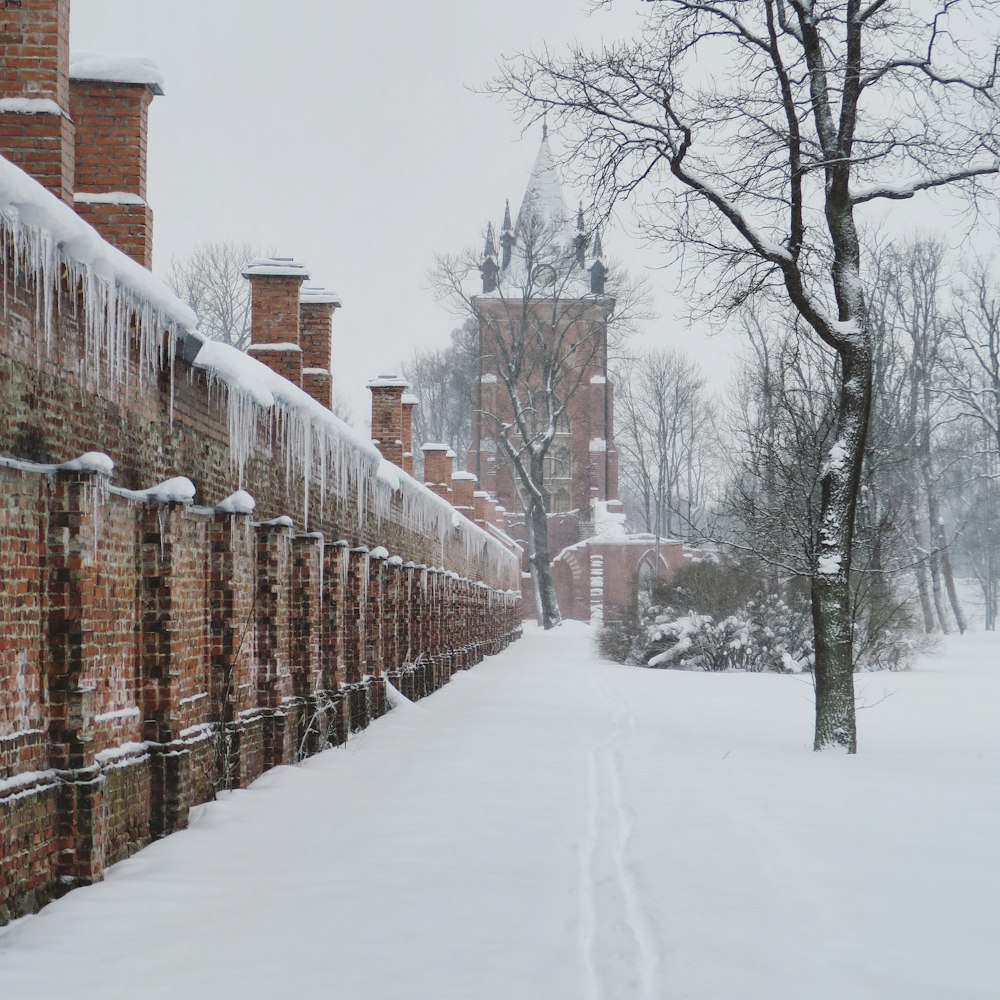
<point x="151" y="653"/>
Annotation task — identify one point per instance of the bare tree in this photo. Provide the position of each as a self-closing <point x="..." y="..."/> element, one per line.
<point x="210" y="279"/>
<point x="756" y="169"/>
<point x="664" y="428"/>
<point x="444" y="380"/>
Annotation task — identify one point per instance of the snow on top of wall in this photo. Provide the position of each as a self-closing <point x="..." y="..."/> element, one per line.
<point x="50" y="232"/>
<point x="91" y="461"/>
<point x="315" y="371"/>
<point x="108" y="198"/>
<point x="379" y="552"/>
<point x="465" y="476"/>
<point x="409" y="399"/>
<point x="179" y="489"/>
<point x="116" y="69"/>
<point x="312" y="295"/>
<point x="278" y="267"/>
<point x="389" y="382"/>
<point x="29" y="106"/>
<point x="389" y="474"/>
<point x="434" y="446"/>
<point x="239" y="502"/>
<point x="285" y="346"/>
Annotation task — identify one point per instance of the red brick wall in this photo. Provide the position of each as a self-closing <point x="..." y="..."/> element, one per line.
<point x="166" y="649"/>
<point x="165" y="623"/>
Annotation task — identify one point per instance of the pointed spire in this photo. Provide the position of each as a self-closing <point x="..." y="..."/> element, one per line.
<point x="581" y="240"/>
<point x="598" y="272"/>
<point x="506" y="237"/>
<point x="544" y="201"/>
<point x="545" y="126"/>
<point x="488" y="269"/>
<point x="598" y="249"/>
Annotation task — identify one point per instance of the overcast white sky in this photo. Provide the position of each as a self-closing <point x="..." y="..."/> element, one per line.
<point x="345" y="133"/>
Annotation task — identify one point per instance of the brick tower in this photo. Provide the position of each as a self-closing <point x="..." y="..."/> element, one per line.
<point x="543" y="313"/>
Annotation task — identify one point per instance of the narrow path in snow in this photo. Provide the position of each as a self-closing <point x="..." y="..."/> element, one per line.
<point x="614" y="923"/>
<point x="553" y="827"/>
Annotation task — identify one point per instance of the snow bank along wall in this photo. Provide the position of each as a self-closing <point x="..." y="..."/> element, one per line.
<point x="229" y="576"/>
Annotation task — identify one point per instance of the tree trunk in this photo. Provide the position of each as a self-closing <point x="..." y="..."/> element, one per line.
<point x="920" y="568"/>
<point x="836" y="726"/>
<point x="541" y="563"/>
<point x="941" y="543"/>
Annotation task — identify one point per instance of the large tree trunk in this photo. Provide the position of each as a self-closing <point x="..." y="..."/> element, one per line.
<point x="836" y="725"/>
<point x="541" y="563"/>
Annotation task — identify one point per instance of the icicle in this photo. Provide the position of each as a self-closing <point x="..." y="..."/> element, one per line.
<point x="161" y="514"/>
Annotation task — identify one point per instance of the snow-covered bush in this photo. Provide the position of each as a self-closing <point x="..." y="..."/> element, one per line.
<point x="724" y="615"/>
<point x="767" y="634"/>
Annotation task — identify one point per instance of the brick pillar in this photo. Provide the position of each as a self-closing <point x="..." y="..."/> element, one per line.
<point x="437" y="469"/>
<point x="305" y="660"/>
<point x="420" y="596"/>
<point x="316" y="309"/>
<point x="110" y="107"/>
<point x="272" y="615"/>
<point x="334" y="597"/>
<point x="375" y="638"/>
<point x="435" y="644"/>
<point x="394" y="613"/>
<point x="482" y="513"/>
<point x="355" y="654"/>
<point x="387" y="416"/>
<point x="463" y="485"/>
<point x="36" y="131"/>
<point x="409" y="638"/>
<point x="409" y="401"/>
<point x="275" y="284"/>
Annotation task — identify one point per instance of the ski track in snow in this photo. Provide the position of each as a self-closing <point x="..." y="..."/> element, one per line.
<point x="613" y="919"/>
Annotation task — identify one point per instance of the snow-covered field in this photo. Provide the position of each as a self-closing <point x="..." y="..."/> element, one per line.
<point x="551" y="826"/>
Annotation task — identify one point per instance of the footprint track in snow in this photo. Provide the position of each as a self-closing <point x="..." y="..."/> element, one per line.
<point x="612" y="912"/>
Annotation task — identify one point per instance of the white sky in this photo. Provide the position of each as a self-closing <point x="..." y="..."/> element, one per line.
<point x="345" y="134"/>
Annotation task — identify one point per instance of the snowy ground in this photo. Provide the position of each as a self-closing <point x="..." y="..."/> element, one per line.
<point x="550" y="826"/>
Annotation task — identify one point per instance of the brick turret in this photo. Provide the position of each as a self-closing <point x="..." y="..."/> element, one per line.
<point x="316" y="309"/>
<point x="109" y="101"/>
<point x="437" y="469"/>
<point x="463" y="485"/>
<point x="36" y="131"/>
<point x="387" y="416"/>
<point x="275" y="284"/>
